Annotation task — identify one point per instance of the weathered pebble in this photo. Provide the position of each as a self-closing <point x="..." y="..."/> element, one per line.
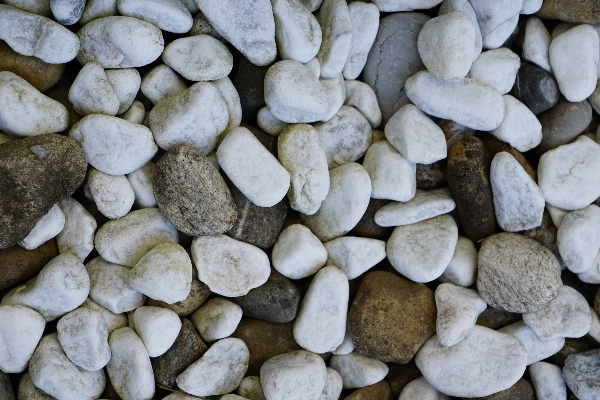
<point x="168" y="15"/>
<point x="216" y="319"/>
<point x="535" y="88"/>
<point x="47" y="227"/>
<point x="496" y="68"/>
<point x="92" y="93"/>
<point x="578" y="240"/>
<point x="112" y="194"/>
<point x="142" y="185"/>
<point x="563" y="123"/>
<point x="297" y="32"/>
<point x="519" y="117"/>
<point x="362" y="97"/>
<point x="393" y="176"/>
<point x="355" y="255"/>
<point x="365" y="23"/>
<point x="580" y="373"/>
<point x="161" y="82"/>
<point x="77" y="236"/>
<point x="157" y="327"/>
<point x="547" y="381"/>
<point x="536" y="43"/>
<point x="21" y="329"/>
<point x="457" y="312"/>
<point x="199" y="58"/>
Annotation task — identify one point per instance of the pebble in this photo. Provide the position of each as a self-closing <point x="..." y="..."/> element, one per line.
<point x="277" y="300"/>
<point x="580" y="374"/>
<point x="95" y="9"/>
<point x="28" y="391"/>
<point x="35" y="7"/>
<point x="517" y="274"/>
<point x="393" y="176"/>
<point x="578" y="239"/>
<point x="519" y="117"/>
<point x="547" y="381"/>
<point x="199" y="58"/>
<point x="219" y="371"/>
<point x="297" y="32"/>
<point x="421" y="251"/>
<point x="83" y="336"/>
<point x="574" y="61"/>
<point x="47" y="227"/>
<point x="483" y="363"/>
<point x="496" y="20"/>
<point x="113" y="321"/>
<point x="161" y="82"/>
<point x="229" y="267"/>
<point x="416" y="136"/>
<point x="521" y="390"/>
<point x="333" y="385"/>
<point x="168" y="15"/>
<point x="396" y="335"/>
<point x="357" y="370"/>
<point x="129" y="369"/>
<point x="336" y="25"/>
<point x="497" y="69"/>
<point x="54" y="374"/>
<point x="251" y="388"/>
<point x="199" y="293"/>
<point x="563" y="123"/>
<point x="33" y="35"/>
<point x="92" y="93"/>
<point x="249" y="82"/>
<point x="355" y="255"/>
<point x="366" y="226"/>
<point x="365" y="23"/>
<point x="109" y="286"/>
<point x="393" y="59"/>
<point x="126" y="83"/>
<point x="340" y="211"/>
<point x="217" y="319"/>
<point x="6" y="390"/>
<point x="518" y="201"/>
<point x="536" y="88"/>
<point x="335" y="90"/>
<point x="421" y="389"/>
<point x="302" y="154"/>
<point x="77" y="236"/>
<point x="362" y="97"/>
<point x="462" y="269"/>
<point x="449" y="6"/>
<point x="537" y="349"/>
<point x="380" y="391"/>
<point x="21" y="329"/>
<point x="249" y="28"/>
<point x="567" y="175"/>
<point x="136" y="114"/>
<point x="424" y="205"/>
<point x="457" y="312"/>
<point x="18" y="264"/>
<point x="268" y="123"/>
<point x="298" y="253"/>
<point x="38" y="73"/>
<point x="67" y="12"/>
<point x="537" y="43"/>
<point x="112" y="194"/>
<point x="142" y="185"/>
<point x="157" y="327"/>
<point x="293" y="376"/>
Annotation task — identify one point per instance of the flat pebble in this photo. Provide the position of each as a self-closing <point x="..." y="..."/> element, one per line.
<point x="161" y="82"/>
<point x="168" y="15"/>
<point x="92" y="93"/>
<point x="365" y="23"/>
<point x="547" y="381"/>
<point x="126" y="83"/>
<point x="142" y="185"/>
<point x="199" y="58"/>
<point x="421" y="389"/>
<point x="216" y="319"/>
<point x="519" y="118"/>
<point x="496" y="68"/>
<point x="297" y="31"/>
<point x="537" y="43"/>
<point x="336" y="26"/>
<point x="67" y="12"/>
<point x="77" y="236"/>
<point x="47" y="227"/>
<point x="535" y="88"/>
<point x="355" y="255"/>
<point x="21" y="329"/>
<point x="457" y="312"/>
<point x="537" y="349"/>
<point x="157" y="327"/>
<point x="298" y="253"/>
<point x="462" y="269"/>
<point x="424" y="205"/>
<point x="112" y="194"/>
<point x="358" y="370"/>
<point x="580" y="374"/>
<point x="362" y="97"/>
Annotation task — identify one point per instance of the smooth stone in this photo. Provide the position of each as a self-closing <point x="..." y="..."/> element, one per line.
<point x="536" y="88"/>
<point x="536" y="44"/>
<point x="396" y="335"/>
<point x="249" y="82"/>
<point x="41" y="7"/>
<point x="112" y="194"/>
<point x="357" y="370"/>
<point x="95" y="9"/>
<point x="54" y="374"/>
<point x="219" y="371"/>
<point x="199" y="293"/>
<point x="92" y="93"/>
<point x="379" y="391"/>
<point x="157" y="327"/>
<point x="251" y="388"/>
<point x="421" y="389"/>
<point x="422" y="251"/>
<point x="67" y="12"/>
<point x="580" y="374"/>
<point x="229" y="267"/>
<point x="493" y="16"/>
<point x="424" y="205"/>
<point x="496" y="68"/>
<point x="161" y="82"/>
<point x="537" y="349"/>
<point x="232" y="99"/>
<point x="336" y="25"/>
<point x="592" y="275"/>
<point x="297" y="32"/>
<point x="77" y="236"/>
<point x="120" y="42"/>
<point x="268" y="123"/>
<point x="293" y="376"/>
<point x="21" y="329"/>
<point x="113" y="321"/>
<point x="362" y="97"/>
<point x="129" y="369"/>
<point x="18" y="264"/>
<point x="365" y="24"/>
<point x="333" y="385"/>
<point x="168" y="15"/>
<point x="47" y="228"/>
<point x="355" y="255"/>
<point x="385" y="71"/>
<point x="570" y="11"/>
<point x="298" y="253"/>
<point x="547" y="381"/>
<point x="38" y="73"/>
<point x="578" y="239"/>
<point x="199" y="58"/>
<point x="519" y="118"/>
<point x="483" y="363"/>
<point x="404" y="5"/>
<point x="126" y="83"/>
<point x="216" y="319"/>
<point x="142" y="185"/>
<point x="28" y="391"/>
<point x="469" y="103"/>
<point x="335" y="90"/>
<point x="462" y="269"/>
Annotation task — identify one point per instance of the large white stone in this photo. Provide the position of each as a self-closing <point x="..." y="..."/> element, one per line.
<point x="298" y="253"/>
<point x="161" y="82"/>
<point x="362" y="97"/>
<point x="355" y="255"/>
<point x="357" y="370"/>
<point x="77" y="236"/>
<point x="268" y="123"/>
<point x="112" y="194"/>
<point x="95" y="9"/>
<point x="424" y="205"/>
<point x="335" y="90"/>
<point x="333" y="385"/>
<point x="216" y="319"/>
<point x="92" y="93"/>
<point x="547" y="381"/>
<point x="168" y="15"/>
<point x="297" y="32"/>
<point x="457" y="312"/>
<point x="520" y="128"/>
<point x="496" y="68"/>
<point x="126" y="82"/>
<point x="537" y="349"/>
<point x="449" y="6"/>
<point x="365" y="23"/>
<point x="578" y="238"/>
<point x="336" y="26"/>
<point x="537" y="43"/>
<point x="47" y="227"/>
<point x="232" y="99"/>
<point x="157" y="327"/>
<point x="143" y="186"/>
<point x="113" y="321"/>
<point x="462" y="269"/>
<point x="21" y="329"/>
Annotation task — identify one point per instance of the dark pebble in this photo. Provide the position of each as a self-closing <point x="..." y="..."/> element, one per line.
<point x="535" y="88"/>
<point x="367" y="227"/>
<point x="431" y="176"/>
<point x="401" y="375"/>
<point x="495" y="146"/>
<point x="522" y="390"/>
<point x="6" y="390"/>
<point x="249" y="81"/>
<point x="18" y="265"/>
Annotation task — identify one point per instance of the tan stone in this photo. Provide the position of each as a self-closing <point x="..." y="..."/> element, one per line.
<point x="522" y="390"/>
<point x="40" y="74"/>
<point x="378" y="391"/>
<point x="18" y="265"/>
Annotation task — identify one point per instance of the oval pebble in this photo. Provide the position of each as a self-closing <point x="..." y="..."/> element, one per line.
<point x="199" y="58"/>
<point x="21" y="329"/>
<point x="168" y="15"/>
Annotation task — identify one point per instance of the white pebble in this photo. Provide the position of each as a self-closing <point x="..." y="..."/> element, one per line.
<point x="520" y="127"/>
<point x="314" y="67"/>
<point x="422" y="390"/>
<point x="113" y="321"/>
<point x="362" y="97"/>
<point x="358" y="371"/>
<point x="92" y="93"/>
<point x="578" y="238"/>
<point x="393" y="176"/>
<point x="199" y="58"/>
<point x="112" y="194"/>
<point x="135" y="114"/>
<point x="297" y="32"/>
<point x="423" y="205"/>
<point x="161" y="82"/>
<point x="251" y="388"/>
<point x="592" y="275"/>
<point x="536" y="43"/>
<point x="77" y="236"/>
<point x="365" y="23"/>
<point x="336" y="26"/>
<point x="142" y="185"/>
<point x="462" y="269"/>
<point x="157" y="327"/>
<point x="67" y="12"/>
<point x="547" y="381"/>
<point x="496" y="17"/>
<point x="268" y="123"/>
<point x="47" y="227"/>
<point x="556" y="214"/>
<point x="346" y="347"/>
<point x="21" y="329"/>
<point x="168" y="15"/>
<point x="449" y="6"/>
<point x="496" y="68"/>
<point x="537" y="349"/>
<point x="298" y="253"/>
<point x="355" y="255"/>
<point x="335" y="90"/>
<point x="216" y="319"/>
<point x="27" y="391"/>
<point x="333" y="385"/>
<point x="531" y="6"/>
<point x="95" y="9"/>
<point x="126" y="82"/>
<point x="404" y="5"/>
<point x="232" y="99"/>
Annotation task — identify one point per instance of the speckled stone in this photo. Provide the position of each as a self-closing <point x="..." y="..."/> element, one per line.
<point x="535" y="88"/>
<point x="17" y="264"/>
<point x="581" y="12"/>
<point x="379" y="391"/>
<point x="41" y="75"/>
<point x="432" y="176"/>
<point x="6" y="390"/>
<point x="367" y="227"/>
<point x="522" y="390"/>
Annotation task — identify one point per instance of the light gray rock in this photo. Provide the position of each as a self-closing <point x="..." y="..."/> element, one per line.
<point x="141" y="183"/>
<point x="92" y="93"/>
<point x="580" y="374"/>
<point x="531" y="6"/>
<point x="168" y="15"/>
<point x="268" y="123"/>
<point x="360" y="96"/>
<point x="199" y="58"/>
<point x="336" y="26"/>
<point x="592" y="275"/>
<point x="21" y="329"/>
<point x="67" y="12"/>
<point x="39" y="7"/>
<point x="536" y="43"/>
<point x="113" y="321"/>
<point x="27" y="391"/>
<point x="365" y="23"/>
<point x="449" y="6"/>
<point x="457" y="312"/>
<point x="126" y="83"/>
<point x="297" y="32"/>
<point x="77" y="236"/>
<point x="491" y="15"/>
<point x="48" y="227"/>
<point x="95" y="9"/>
<point x="537" y="349"/>
<point x="333" y="385"/>
<point x="393" y="176"/>
<point x="157" y="327"/>
<point x="421" y="389"/>
<point x="578" y="238"/>
<point x="357" y="370"/>
<point x="496" y="68"/>
<point x="298" y="253"/>
<point x="335" y="90"/>
<point x="462" y="269"/>
<point x="232" y="99"/>
<point x="217" y="319"/>
<point x="547" y="381"/>
<point x="520" y="127"/>
<point x="497" y="37"/>
<point x="424" y="205"/>
<point x="161" y="82"/>
<point x="404" y="5"/>
<point x="355" y="255"/>
<point x="112" y="194"/>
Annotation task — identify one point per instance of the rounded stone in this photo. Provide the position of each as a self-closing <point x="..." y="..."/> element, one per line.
<point x="563" y="123"/>
<point x="39" y="74"/>
<point x="535" y="88"/>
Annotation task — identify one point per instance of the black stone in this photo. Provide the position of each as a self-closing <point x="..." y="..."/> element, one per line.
<point x="367" y="227"/>
<point x="535" y="88"/>
<point x="249" y="81"/>
<point x="431" y="176"/>
<point x="6" y="390"/>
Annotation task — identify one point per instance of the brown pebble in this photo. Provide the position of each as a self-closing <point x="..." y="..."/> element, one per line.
<point x="367" y="227"/>
<point x="576" y="11"/>
<point x="379" y="391"/>
<point x="18" y="265"/>
<point x="495" y="146"/>
<point x="401" y="375"/>
<point x="495" y="318"/>
<point x="522" y="390"/>
<point x="39" y="74"/>
<point x="431" y="176"/>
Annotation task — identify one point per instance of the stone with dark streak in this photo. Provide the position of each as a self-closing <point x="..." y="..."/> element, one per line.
<point x="18" y="265"/>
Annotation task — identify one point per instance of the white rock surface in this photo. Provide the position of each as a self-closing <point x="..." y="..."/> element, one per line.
<point x="578" y="238"/>
<point x="92" y="93"/>
<point x="594" y="332"/>
<point x="27" y="112"/>
<point x="297" y="32"/>
<point x="142" y="185"/>
<point x="567" y="175"/>
<point x="537" y="350"/>
<point x="67" y="12"/>
<point x="229" y="267"/>
<point x="113" y="321"/>
<point x="157" y="327"/>
<point x="168" y="15"/>
<point x="345" y="204"/>
<point x="404" y="5"/>
<point x="333" y="386"/>
<point x="251" y="388"/>
<point x="462" y="269"/>
<point x="126" y="240"/>
<point x="357" y="370"/>
<point x="520" y="127"/>
<point x="336" y="25"/>
<point x="112" y="194"/>
<point x="27" y="391"/>
<point x="362" y="97"/>
<point x="491" y="16"/>
<point x="421" y="389"/>
<point x="537" y="43"/>
<point x="199" y="58"/>
<point x="47" y="227"/>
<point x="113" y="145"/>
<point x="39" y="7"/>
<point x="126" y="82"/>
<point x="220" y="370"/>
<point x="335" y="90"/>
<point x="161" y="82"/>
<point x="496" y="68"/>
<point x="217" y="319"/>
<point x="346" y="347"/>
<point x="574" y="60"/>
<point x="421" y="251"/>
<point x="298" y="253"/>
<point x="77" y="236"/>
<point x="457" y="312"/>
<point x="268" y="123"/>
<point x="83" y="335"/>
<point x="547" y="381"/>
<point x="556" y="214"/>
<point x="365" y="23"/>
<point x="314" y="67"/>
<point x="95" y="9"/>
<point x="355" y="255"/>
<point x="297" y="375"/>
<point x="424" y="205"/>
<point x="592" y="275"/>
<point x="232" y="99"/>
<point x="252" y="168"/>
<point x="163" y="274"/>
<point x="449" y="6"/>
<point x="531" y="6"/>
<point x="21" y="329"/>
<point x="393" y="176"/>
<point x="129" y="368"/>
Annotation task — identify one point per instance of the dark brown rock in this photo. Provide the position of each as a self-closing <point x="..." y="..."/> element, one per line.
<point x="576" y="11"/>
<point x="522" y="390"/>
<point x="495" y="146"/>
<point x="432" y="176"/>
<point x="367" y="227"/>
<point x="563" y="123"/>
<point x="265" y="340"/>
<point x="597" y="302"/>
<point x="6" y="390"/>
<point x="572" y="346"/>
<point x="495" y="318"/>
<point x="379" y="391"/>
<point x="249" y="81"/>
<point x="188" y="348"/>
<point x="391" y="317"/>
<point x="198" y="295"/>
<point x="35" y="173"/>
<point x="401" y="375"/>
<point x="18" y="265"/>
<point x="469" y="182"/>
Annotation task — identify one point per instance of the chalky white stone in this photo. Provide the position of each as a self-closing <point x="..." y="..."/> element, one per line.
<point x="333" y="385"/>
<point x="33" y="35"/>
<point x="578" y="238"/>
<point x="520" y="127"/>
<point x="109" y="286"/>
<point x="142" y="185"/>
<point x="449" y="6"/>
<point x="293" y="94"/>
<point x="346" y="347"/>
<point x="297" y="32"/>
<point x="120" y="42"/>
<point x="113" y="145"/>
<point x="518" y="201"/>
<point x="232" y="99"/>
<point x="112" y="194"/>
<point x="537" y="349"/>
<point x="126" y="240"/>
<point x="21" y="329"/>
<point x="547" y="381"/>
<point x="27" y="112"/>
<point x="421" y="251"/>
<point x="168" y="15"/>
<point x="567" y="315"/>
<point x="161" y="82"/>
<point x="157" y="327"/>
<point x="126" y="82"/>
<point x="457" y="312"/>
<point x="199" y="58"/>
<point x="421" y="389"/>
<point x="61" y="286"/>
<point x="77" y="236"/>
<point x="574" y="61"/>
<point x="216" y="319"/>
<point x="220" y="370"/>
<point x="113" y="321"/>
<point x="345" y="204"/>
<point x="531" y="6"/>
<point x="357" y="370"/>
<point x="67" y="12"/>
<point x="83" y="335"/>
<point x="320" y="325"/>
<point x="53" y="373"/>
<point x="393" y="176"/>
<point x="568" y="174"/>
<point x="95" y="9"/>
<point x="594" y="332"/>
<point x="314" y="67"/>
<point x="580" y="372"/>
<point x="335" y="91"/>
<point x="496" y="68"/>
<point x="365" y="23"/>
<point x="251" y="388"/>
<point x="229" y="267"/>
<point x="336" y="25"/>
<point x="297" y="375"/>
<point x="268" y="123"/>
<point x="404" y="5"/>
<point x="249" y="27"/>
<point x="163" y="274"/>
<point x="92" y="93"/>
<point x="424" y="205"/>
<point x="462" y="269"/>
<point x="252" y="168"/>
<point x="129" y="368"/>
<point x="537" y="43"/>
<point x="362" y="97"/>
<point x="355" y="255"/>
<point x="592" y="275"/>
<point x="492" y="15"/>
<point x="298" y="253"/>
<point x="417" y="137"/>
<point x="48" y="227"/>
